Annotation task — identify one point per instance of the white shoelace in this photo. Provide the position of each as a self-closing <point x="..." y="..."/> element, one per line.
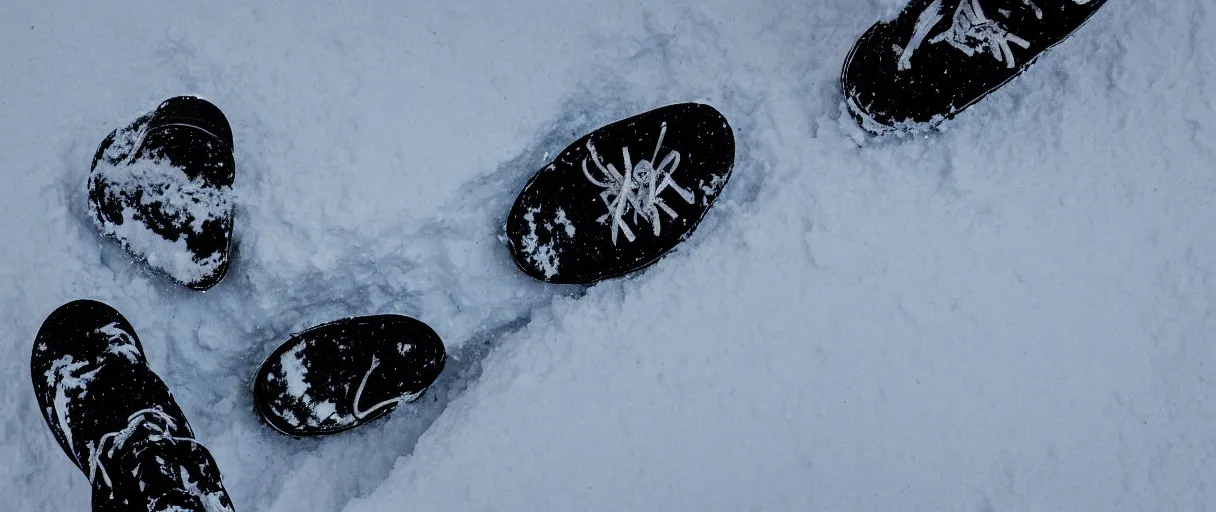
<point x="155" y="419"/>
<point x="637" y="188"/>
<point x="971" y="32"/>
<point x="361" y="414"/>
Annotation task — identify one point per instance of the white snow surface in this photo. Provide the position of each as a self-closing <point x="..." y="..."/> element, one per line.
<point x="1012" y="313"/>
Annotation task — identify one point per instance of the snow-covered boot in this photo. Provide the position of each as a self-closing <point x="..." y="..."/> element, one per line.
<point x="343" y="374"/>
<point x="162" y="186"/>
<point x="116" y="419"/>
<point x="939" y="57"/>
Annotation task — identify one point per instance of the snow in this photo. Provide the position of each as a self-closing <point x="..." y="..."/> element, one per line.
<point x="1014" y="313"/>
<point x="294" y="371"/>
<point x="70" y="384"/>
<point x="162" y="187"/>
<point x="561" y="220"/>
<point x="544" y="257"/>
<point x="292" y="368"/>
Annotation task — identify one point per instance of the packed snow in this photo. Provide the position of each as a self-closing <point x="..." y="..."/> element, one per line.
<point x="157" y="185"/>
<point x="1014" y="312"/>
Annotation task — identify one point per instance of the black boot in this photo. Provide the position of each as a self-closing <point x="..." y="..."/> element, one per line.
<point x="343" y="374"/>
<point x="115" y="418"/>
<point x="941" y="56"/>
<point x="619" y="198"/>
<point x="162" y="186"/>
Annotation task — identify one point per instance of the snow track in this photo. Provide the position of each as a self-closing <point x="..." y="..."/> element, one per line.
<point x="1014" y="313"/>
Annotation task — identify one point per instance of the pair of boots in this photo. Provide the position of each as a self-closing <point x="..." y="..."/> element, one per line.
<point x="115" y="418"/>
<point x="161" y="186"/>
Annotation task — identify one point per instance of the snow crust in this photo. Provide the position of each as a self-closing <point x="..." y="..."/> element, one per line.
<point x="1013" y="313"/>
